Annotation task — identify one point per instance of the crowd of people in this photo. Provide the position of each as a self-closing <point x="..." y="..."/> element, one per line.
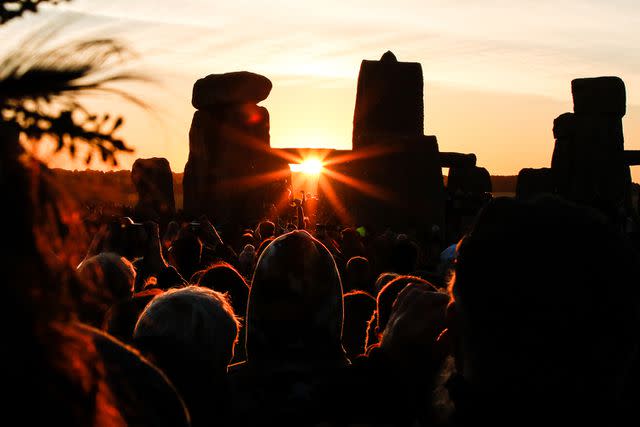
<point x="533" y="316"/>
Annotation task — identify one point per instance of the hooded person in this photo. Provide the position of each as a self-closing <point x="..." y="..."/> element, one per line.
<point x="294" y="332"/>
<point x="247" y="260"/>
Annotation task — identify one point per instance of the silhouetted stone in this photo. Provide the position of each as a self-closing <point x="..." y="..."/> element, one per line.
<point x="599" y="95"/>
<point x="533" y="182"/>
<point x="589" y="163"/>
<point x="228" y="153"/>
<point x="600" y="176"/>
<point x="632" y="157"/>
<point x="389" y="100"/>
<point x="402" y="189"/>
<point x="457" y="160"/>
<point x="563" y="158"/>
<point x="240" y="87"/>
<point x="468" y="180"/>
<point x="154" y="182"/>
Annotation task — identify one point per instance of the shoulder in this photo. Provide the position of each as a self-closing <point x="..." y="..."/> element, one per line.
<point x="142" y="392"/>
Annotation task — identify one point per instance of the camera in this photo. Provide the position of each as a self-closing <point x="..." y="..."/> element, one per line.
<point x="128" y="238"/>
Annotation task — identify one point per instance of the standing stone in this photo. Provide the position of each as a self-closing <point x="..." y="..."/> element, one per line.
<point x="240" y="87"/>
<point x="564" y="154"/>
<point x="469" y="180"/>
<point x="389" y="100"/>
<point x="534" y="182"/>
<point x="589" y="164"/>
<point x="229" y="150"/>
<point x="403" y="188"/>
<point x="457" y="160"/>
<point x="154" y="183"/>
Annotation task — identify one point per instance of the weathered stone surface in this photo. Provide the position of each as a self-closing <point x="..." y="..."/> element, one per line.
<point x="563" y="158"/>
<point x="402" y="189"/>
<point x="389" y="100"/>
<point x="599" y="175"/>
<point x="599" y="95"/>
<point x="589" y="164"/>
<point x="154" y="182"/>
<point x="469" y="180"/>
<point x="564" y="126"/>
<point x="457" y="160"/>
<point x="533" y="182"/>
<point x="226" y="175"/>
<point x="240" y="87"/>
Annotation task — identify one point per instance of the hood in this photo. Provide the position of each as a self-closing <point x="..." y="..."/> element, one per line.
<point x="295" y="305"/>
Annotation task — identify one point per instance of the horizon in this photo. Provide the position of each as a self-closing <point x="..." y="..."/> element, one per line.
<point x="495" y="75"/>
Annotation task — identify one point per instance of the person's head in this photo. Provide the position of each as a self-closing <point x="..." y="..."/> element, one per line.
<point x="198" y="320"/>
<point x="266" y="229"/>
<point x="263" y="245"/>
<point x="546" y="307"/>
<point x="121" y="319"/>
<point x="383" y="279"/>
<point x="222" y="277"/>
<point x="295" y="304"/>
<point x="247" y="260"/>
<point x="388" y="295"/>
<point x="247" y="239"/>
<point x="350" y="237"/>
<point x="404" y="255"/>
<point x="358" y="308"/>
<point x="358" y="275"/>
<point x="110" y="272"/>
<point x="186" y="253"/>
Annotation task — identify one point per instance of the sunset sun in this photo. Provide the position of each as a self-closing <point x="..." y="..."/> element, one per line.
<point x="307" y="167"/>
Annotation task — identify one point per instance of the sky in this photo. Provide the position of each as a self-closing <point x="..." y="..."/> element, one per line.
<point x="496" y="73"/>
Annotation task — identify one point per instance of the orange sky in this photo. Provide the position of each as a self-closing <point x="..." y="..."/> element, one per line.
<point x="496" y="75"/>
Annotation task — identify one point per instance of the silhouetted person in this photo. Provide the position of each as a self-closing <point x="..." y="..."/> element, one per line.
<point x="358" y="309"/>
<point x="225" y="279"/>
<point x="385" y="301"/>
<point x="113" y="277"/>
<point x="358" y="275"/>
<point x="190" y="333"/>
<point x="121" y="319"/>
<point x="58" y="371"/>
<point x="294" y="326"/>
<point x="265" y="230"/>
<point x="247" y="260"/>
<point x="546" y="317"/>
<point x="382" y="280"/>
<point x="186" y="253"/>
<point x="404" y="255"/>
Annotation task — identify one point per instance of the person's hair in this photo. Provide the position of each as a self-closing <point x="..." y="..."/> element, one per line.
<point x="195" y="318"/>
<point x="266" y="229"/>
<point x="404" y="256"/>
<point x="387" y="296"/>
<point x="263" y="245"/>
<point x="186" y="251"/>
<point x="547" y="300"/>
<point x="111" y="272"/>
<point x="383" y="279"/>
<point x="358" y="308"/>
<point x="222" y="277"/>
<point x="121" y="319"/>
<point x="357" y="274"/>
